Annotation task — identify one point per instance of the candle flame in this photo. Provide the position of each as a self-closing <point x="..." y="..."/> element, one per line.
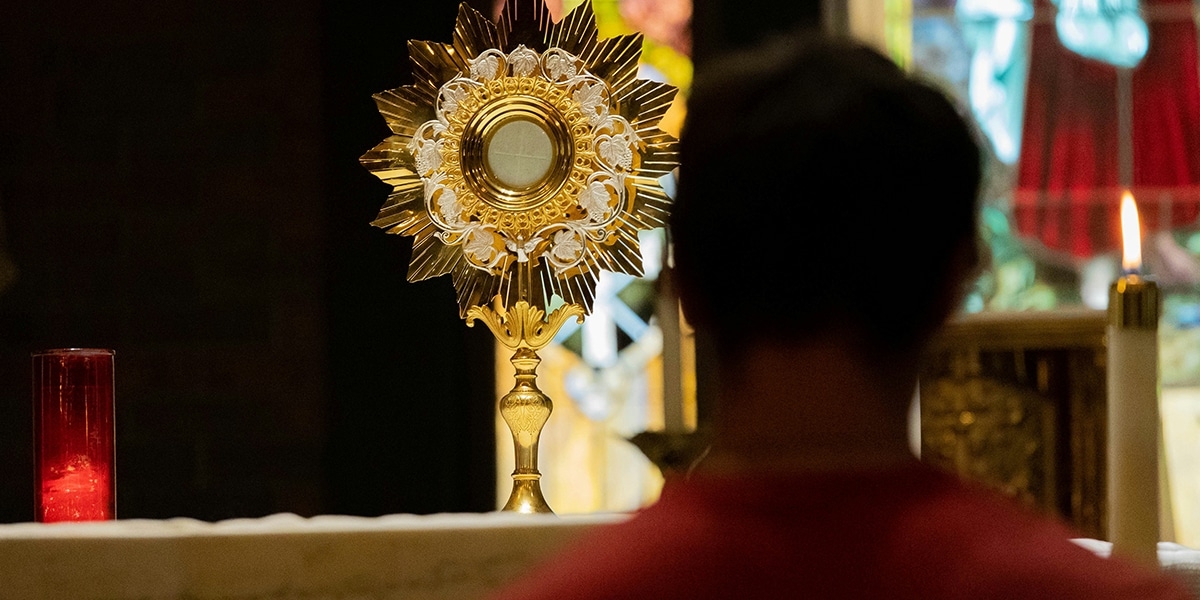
<point x="1131" y="235"/>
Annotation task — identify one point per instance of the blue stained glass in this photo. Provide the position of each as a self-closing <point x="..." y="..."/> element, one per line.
<point x="1111" y="31"/>
<point x="997" y="32"/>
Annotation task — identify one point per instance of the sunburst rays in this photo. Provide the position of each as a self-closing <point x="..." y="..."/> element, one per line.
<point x="562" y="235"/>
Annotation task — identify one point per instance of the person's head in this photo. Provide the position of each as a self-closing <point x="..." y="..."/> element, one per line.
<point x="822" y="190"/>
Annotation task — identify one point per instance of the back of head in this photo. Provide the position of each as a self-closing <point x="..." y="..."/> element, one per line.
<point x="821" y="187"/>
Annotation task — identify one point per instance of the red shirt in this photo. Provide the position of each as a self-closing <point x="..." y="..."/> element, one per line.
<point x="911" y="533"/>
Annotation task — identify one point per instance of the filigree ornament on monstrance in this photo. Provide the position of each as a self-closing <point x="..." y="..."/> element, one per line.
<point x="525" y="157"/>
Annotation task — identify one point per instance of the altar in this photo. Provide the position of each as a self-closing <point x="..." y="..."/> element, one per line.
<point x="284" y="556"/>
<point x="412" y="557"/>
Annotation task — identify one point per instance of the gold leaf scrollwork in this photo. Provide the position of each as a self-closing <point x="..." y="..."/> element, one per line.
<point x="523" y="325"/>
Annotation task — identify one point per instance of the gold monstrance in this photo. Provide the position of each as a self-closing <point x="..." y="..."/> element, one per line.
<point x="523" y="160"/>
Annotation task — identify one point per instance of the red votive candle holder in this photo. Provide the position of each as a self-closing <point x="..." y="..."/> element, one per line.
<point x="73" y="449"/>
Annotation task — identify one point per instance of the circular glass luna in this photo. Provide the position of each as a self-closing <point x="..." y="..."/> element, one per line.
<point x="519" y="154"/>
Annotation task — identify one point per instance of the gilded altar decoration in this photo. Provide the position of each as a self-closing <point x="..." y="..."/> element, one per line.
<point x="1016" y="401"/>
<point x="524" y="159"/>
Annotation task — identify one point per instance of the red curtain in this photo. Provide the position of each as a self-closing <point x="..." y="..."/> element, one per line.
<point x="1068" y="191"/>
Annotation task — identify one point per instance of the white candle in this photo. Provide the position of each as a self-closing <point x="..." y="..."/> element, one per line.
<point x="1133" y="421"/>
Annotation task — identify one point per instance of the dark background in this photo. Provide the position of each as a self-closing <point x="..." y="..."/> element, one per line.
<point x="179" y="182"/>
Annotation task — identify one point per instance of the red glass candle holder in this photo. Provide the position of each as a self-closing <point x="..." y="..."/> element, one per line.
<point x="74" y="453"/>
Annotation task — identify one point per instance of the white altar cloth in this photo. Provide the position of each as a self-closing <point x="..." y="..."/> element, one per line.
<point x="286" y="557"/>
<point x="280" y="557"/>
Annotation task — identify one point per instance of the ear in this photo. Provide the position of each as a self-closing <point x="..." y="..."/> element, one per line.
<point x="962" y="268"/>
<point x="691" y="304"/>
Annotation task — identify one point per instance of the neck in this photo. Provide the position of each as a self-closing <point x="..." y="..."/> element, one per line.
<point x="819" y="405"/>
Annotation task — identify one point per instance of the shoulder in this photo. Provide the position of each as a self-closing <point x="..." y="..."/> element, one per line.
<point x="904" y="536"/>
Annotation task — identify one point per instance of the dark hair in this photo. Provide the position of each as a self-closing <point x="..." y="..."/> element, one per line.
<point x="821" y="186"/>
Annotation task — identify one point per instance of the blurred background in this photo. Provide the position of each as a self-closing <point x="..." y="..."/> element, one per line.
<point x="180" y="182"/>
